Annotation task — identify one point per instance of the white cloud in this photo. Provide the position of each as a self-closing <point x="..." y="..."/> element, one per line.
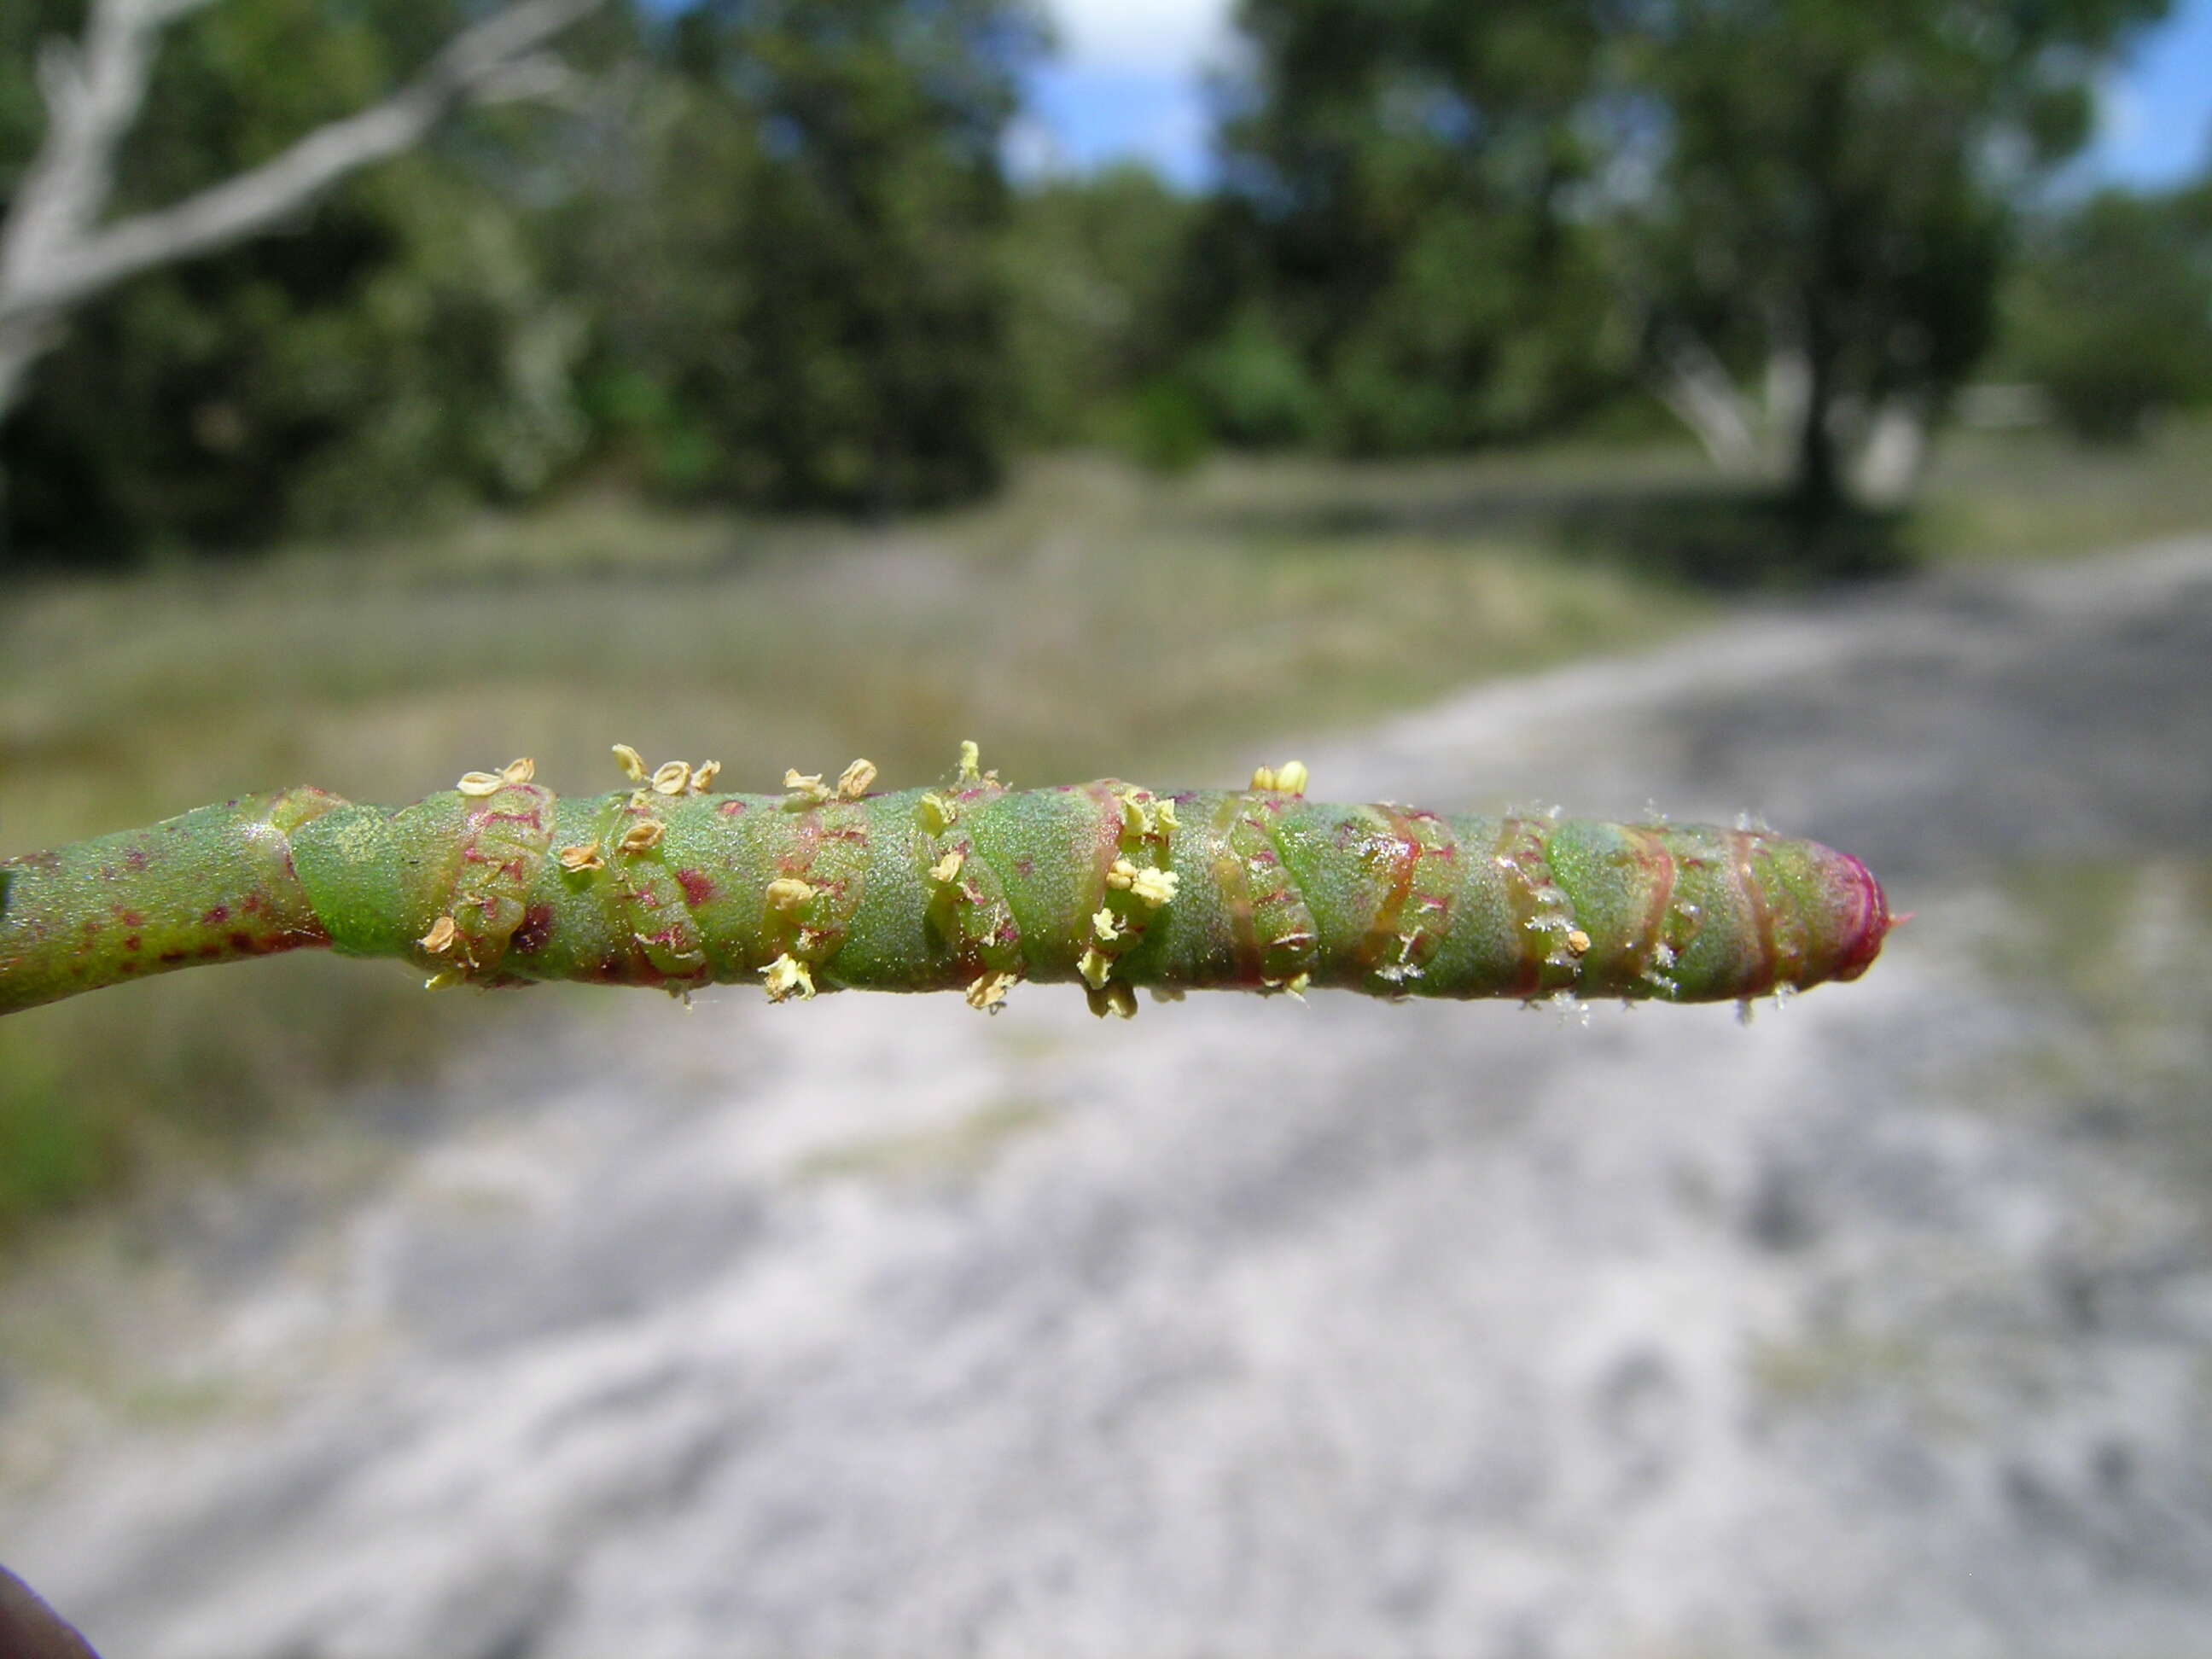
<point x="1144" y="37"/>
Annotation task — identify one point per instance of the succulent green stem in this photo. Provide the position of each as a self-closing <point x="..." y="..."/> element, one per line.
<point x="971" y="886"/>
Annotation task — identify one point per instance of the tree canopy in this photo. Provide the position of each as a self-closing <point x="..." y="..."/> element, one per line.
<point x="770" y="253"/>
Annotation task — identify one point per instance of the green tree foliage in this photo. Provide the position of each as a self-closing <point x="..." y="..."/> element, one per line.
<point x="1396" y="263"/>
<point x="2110" y="310"/>
<point x="768" y="265"/>
<point x="1094" y="266"/>
<point x="1834" y="184"/>
<point x="1445" y="223"/>
<point x="795" y="252"/>
<point x="397" y="344"/>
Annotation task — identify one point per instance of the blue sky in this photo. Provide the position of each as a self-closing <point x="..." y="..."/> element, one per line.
<point x="1129" y="83"/>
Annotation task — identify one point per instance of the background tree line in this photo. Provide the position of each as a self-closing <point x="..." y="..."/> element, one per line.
<point x="768" y="252"/>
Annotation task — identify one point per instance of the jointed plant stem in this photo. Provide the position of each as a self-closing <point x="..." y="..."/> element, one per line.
<point x="972" y="886"/>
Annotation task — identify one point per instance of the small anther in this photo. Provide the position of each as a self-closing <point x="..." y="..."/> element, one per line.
<point x="788" y="893"/>
<point x="986" y="994"/>
<point x="787" y="976"/>
<point x="1119" y="1000"/>
<point x="1155" y="887"/>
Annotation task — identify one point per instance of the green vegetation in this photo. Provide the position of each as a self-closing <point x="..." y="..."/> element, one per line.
<point x="675" y="885"/>
<point x="769" y="257"/>
<point x="1174" y="631"/>
<point x="2111" y="311"/>
<point x="2035" y="495"/>
<point x="517" y="401"/>
<point x="1088" y="621"/>
<point x="400" y="348"/>
<point x="1429" y="238"/>
<point x="791" y="256"/>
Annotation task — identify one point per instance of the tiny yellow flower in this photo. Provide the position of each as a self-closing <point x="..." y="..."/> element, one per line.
<point x="987" y="994"/>
<point x="1155" y="887"/>
<point x="581" y="858"/>
<point x="787" y="976"/>
<point x="440" y="936"/>
<point x="632" y="763"/>
<point x="853" y="781"/>
<point x="788" y="893"/>
<point x="642" y="837"/>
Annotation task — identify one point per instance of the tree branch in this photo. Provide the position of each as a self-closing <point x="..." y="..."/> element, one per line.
<point x="92" y="93"/>
<point x="52" y="259"/>
<point x="1695" y="386"/>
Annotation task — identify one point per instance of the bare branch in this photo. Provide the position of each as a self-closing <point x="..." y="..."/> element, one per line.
<point x="92" y="95"/>
<point x="1696" y="386"/>
<point x="541" y="78"/>
<point x="53" y="258"/>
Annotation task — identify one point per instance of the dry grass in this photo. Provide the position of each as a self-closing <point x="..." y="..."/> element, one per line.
<point x="2034" y="494"/>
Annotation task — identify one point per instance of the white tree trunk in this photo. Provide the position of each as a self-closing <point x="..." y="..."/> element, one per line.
<point x="1892" y="452"/>
<point x="1746" y="437"/>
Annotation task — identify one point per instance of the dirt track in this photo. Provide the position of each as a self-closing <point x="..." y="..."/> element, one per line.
<point x="871" y="1326"/>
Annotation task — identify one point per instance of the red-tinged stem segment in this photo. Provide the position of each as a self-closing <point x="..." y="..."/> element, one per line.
<point x="972" y="886"/>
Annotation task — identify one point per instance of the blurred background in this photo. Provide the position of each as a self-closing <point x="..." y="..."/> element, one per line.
<point x="1789" y="407"/>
